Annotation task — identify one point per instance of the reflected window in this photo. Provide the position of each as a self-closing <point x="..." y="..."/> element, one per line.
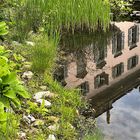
<point x="117" y="70"/>
<point x="133" y="36"/>
<point x="101" y="80"/>
<point x="81" y="68"/>
<point x="132" y="62"/>
<point x="100" y="53"/>
<point x="84" y="88"/>
<point x="117" y="43"/>
<point x="61" y="73"/>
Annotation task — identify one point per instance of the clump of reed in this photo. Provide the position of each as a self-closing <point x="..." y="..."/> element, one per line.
<point x="43" y="53"/>
<point x="71" y="14"/>
<point x="66" y="14"/>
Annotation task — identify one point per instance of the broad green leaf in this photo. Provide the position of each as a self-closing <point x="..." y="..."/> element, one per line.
<point x="4" y="71"/>
<point x="22" y="92"/>
<point x="5" y="101"/>
<point x="10" y="94"/>
<point x="1" y="107"/>
<point x="3" y="60"/>
<point x="1" y="49"/>
<point x="3" y="117"/>
<point x="11" y="78"/>
<point x="3" y="28"/>
<point x="16" y="102"/>
<point x="2" y="24"/>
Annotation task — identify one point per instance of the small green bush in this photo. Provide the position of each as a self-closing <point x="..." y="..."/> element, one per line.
<point x="11" y="89"/>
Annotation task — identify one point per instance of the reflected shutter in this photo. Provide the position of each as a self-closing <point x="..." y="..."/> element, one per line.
<point x="87" y="87"/>
<point x="122" y="40"/>
<point x="130" y="36"/>
<point x="96" y="81"/>
<point x="114" y="72"/>
<point x="105" y="51"/>
<point x="122" y="67"/>
<point x="137" y="33"/>
<point x="113" y="44"/>
<point x="129" y="65"/>
<point x="137" y="59"/>
<point x="96" y="55"/>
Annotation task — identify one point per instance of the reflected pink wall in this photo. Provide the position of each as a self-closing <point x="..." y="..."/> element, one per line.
<point x="72" y="81"/>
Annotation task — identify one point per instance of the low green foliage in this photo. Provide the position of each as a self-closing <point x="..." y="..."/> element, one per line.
<point x="65" y="105"/>
<point x="56" y="15"/>
<point x="33" y="108"/>
<point x="11" y="89"/>
<point x="96" y="136"/>
<point x="43" y="53"/>
<point x="71" y="14"/>
<point x="3" y="28"/>
<point x="9" y="127"/>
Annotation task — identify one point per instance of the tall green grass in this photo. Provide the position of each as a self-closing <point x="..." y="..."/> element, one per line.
<point x="71" y="14"/>
<point x="56" y="15"/>
<point x="43" y="53"/>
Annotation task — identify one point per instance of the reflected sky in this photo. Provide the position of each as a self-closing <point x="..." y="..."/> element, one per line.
<point x="125" y="119"/>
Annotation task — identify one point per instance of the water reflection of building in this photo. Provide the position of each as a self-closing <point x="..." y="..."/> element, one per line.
<point x="102" y="66"/>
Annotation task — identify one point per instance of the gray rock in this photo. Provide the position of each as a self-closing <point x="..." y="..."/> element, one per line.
<point x="43" y="94"/>
<point x="26" y="119"/>
<point x="39" y="95"/>
<point x="138" y="15"/>
<point x="22" y="135"/>
<point x="27" y="75"/>
<point x="51" y="137"/>
<point x="29" y="119"/>
<point x="46" y="103"/>
<point x="136" y="12"/>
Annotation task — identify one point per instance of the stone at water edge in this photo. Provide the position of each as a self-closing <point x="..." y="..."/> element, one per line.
<point x="22" y="135"/>
<point x="27" y="75"/>
<point x="46" y="103"/>
<point x="43" y="94"/>
<point x="51" y="137"/>
<point x="39" y="95"/>
<point x="29" y="119"/>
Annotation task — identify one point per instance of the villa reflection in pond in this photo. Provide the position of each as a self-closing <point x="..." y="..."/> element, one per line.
<point x="104" y="64"/>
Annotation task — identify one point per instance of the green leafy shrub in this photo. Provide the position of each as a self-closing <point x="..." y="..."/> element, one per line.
<point x="11" y="89"/>
<point x="3" y="28"/>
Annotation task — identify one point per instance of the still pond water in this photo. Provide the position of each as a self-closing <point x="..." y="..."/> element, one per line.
<point x="106" y="69"/>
